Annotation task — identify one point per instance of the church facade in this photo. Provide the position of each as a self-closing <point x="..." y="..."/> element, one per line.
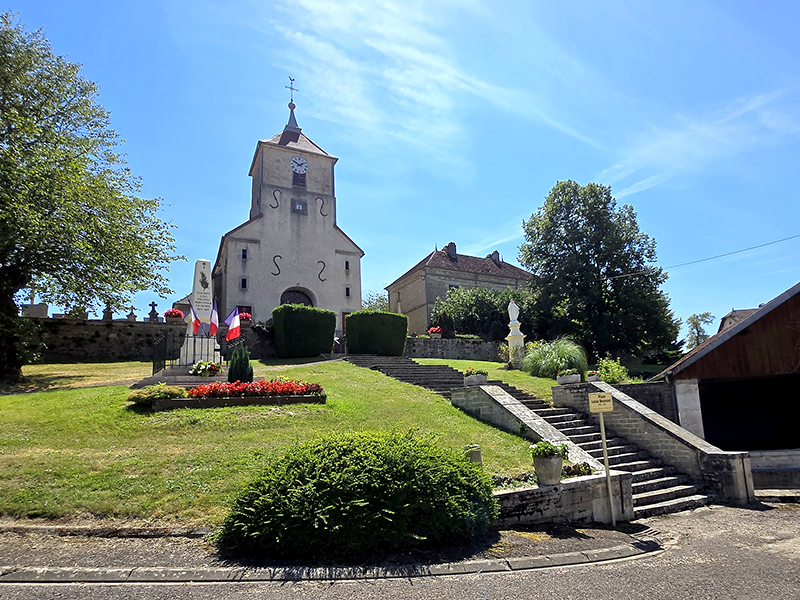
<point x="290" y="250"/>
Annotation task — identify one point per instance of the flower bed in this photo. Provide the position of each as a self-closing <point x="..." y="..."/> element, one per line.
<point x="274" y="387"/>
<point x="216" y="394"/>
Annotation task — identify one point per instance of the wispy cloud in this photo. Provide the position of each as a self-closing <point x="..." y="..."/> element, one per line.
<point x="692" y="143"/>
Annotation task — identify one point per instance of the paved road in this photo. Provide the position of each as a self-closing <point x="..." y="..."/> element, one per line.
<point x="711" y="553"/>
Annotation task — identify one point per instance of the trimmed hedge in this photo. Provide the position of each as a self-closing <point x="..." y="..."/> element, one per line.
<point x="358" y="496"/>
<point x="303" y="330"/>
<point x="376" y="332"/>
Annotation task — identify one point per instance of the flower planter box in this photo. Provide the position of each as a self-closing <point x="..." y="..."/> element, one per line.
<point x="474" y="380"/>
<point x="548" y="468"/>
<point x="435" y="336"/>
<point x="170" y="403"/>
<point x="593" y="378"/>
<point x="174" y="320"/>
<point x="564" y="379"/>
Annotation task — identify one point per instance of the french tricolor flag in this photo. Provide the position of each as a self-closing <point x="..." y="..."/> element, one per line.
<point x="212" y="329"/>
<point x="232" y="321"/>
<point x="195" y="319"/>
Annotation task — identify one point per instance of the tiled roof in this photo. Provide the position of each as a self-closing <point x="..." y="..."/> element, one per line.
<point x="298" y="141"/>
<point x="733" y="317"/>
<point x="463" y="263"/>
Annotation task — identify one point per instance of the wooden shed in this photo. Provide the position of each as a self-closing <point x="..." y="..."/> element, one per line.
<point x="740" y="389"/>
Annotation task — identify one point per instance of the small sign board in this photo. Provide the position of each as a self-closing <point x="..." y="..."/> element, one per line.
<point x="601" y="402"/>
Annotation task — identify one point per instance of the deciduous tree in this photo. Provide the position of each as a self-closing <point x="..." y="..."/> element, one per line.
<point x="72" y="225"/>
<point x="594" y="273"/>
<point x="697" y="333"/>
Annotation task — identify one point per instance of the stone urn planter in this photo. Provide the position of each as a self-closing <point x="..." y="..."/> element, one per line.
<point x="548" y="469"/>
<point x="475" y="380"/>
<point x="565" y="379"/>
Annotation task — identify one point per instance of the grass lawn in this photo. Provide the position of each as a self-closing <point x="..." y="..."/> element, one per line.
<point x="60" y="376"/>
<point x="537" y="386"/>
<point x="84" y="451"/>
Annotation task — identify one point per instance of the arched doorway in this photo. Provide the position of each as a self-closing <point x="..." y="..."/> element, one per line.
<point x="295" y="296"/>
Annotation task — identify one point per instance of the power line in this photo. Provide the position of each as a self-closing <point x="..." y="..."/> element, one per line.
<point x="694" y="262"/>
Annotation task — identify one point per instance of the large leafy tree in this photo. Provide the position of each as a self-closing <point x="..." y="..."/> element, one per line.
<point x="697" y="331"/>
<point x="483" y="312"/>
<point x="594" y="272"/>
<point x="72" y="225"/>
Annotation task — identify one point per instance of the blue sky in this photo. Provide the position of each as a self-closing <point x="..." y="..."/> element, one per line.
<point x="452" y="120"/>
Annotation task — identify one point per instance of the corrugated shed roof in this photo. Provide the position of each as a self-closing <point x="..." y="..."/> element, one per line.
<point x="440" y="259"/>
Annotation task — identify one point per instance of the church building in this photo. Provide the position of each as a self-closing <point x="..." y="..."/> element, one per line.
<point x="290" y="250"/>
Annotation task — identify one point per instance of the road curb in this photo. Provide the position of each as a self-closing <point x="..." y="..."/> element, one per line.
<point x="17" y="574"/>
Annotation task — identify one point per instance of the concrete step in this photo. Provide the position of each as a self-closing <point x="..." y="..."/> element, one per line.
<point x="627" y="458"/>
<point x="547" y="412"/>
<point x="670" y="506"/>
<point x="614" y="450"/>
<point x="637" y="465"/>
<point x="648" y="474"/>
<point x="663" y="495"/>
<point x="586" y="437"/>
<point x="598" y="444"/>
<point x="659" y="483"/>
<point x="567" y="418"/>
<point x="577" y="431"/>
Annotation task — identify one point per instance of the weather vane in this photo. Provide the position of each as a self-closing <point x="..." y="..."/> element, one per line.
<point x="291" y="89"/>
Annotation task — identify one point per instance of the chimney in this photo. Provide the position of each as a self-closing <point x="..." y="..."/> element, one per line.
<point x="495" y="256"/>
<point x="451" y="250"/>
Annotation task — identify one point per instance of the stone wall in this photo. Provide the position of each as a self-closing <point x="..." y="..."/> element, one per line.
<point x="418" y="347"/>
<point x="574" y="500"/>
<point x="726" y="474"/>
<point x="656" y="396"/>
<point x="74" y="340"/>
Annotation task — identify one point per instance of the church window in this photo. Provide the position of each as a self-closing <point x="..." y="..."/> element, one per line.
<point x="244" y="283"/>
<point x="347" y="265"/>
<point x="299" y="180"/>
<point x="244" y="253"/>
<point x="347" y="291"/>
<point x="245" y="309"/>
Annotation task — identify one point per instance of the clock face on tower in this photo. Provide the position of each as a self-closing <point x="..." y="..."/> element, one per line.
<point x="299" y="165"/>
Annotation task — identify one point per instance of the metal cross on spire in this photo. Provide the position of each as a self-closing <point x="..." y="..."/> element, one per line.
<point x="291" y="89"/>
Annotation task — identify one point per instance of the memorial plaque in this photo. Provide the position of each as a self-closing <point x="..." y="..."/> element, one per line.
<point x="202" y="290"/>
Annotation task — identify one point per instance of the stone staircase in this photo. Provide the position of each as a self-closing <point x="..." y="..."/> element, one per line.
<point x="657" y="489"/>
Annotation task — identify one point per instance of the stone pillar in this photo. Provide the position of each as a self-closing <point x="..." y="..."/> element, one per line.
<point x="515" y="339"/>
<point x="690" y="414"/>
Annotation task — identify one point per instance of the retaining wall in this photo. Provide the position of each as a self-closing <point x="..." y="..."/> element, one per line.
<point x="726" y="474"/>
<point x="417" y="347"/>
<point x="657" y="396"/>
<point x="574" y="500"/>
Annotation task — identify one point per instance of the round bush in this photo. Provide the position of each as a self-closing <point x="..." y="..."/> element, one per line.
<point x="359" y="495"/>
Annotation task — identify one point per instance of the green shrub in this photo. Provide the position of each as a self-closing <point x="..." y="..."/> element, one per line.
<point x="240" y="368"/>
<point x="146" y="395"/>
<point x="303" y="330"/>
<point x="611" y="371"/>
<point x="359" y="495"/>
<point x="546" y="359"/>
<point x="374" y="332"/>
<point x="545" y="449"/>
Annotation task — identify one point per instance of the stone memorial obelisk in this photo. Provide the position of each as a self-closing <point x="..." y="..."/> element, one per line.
<point x="515" y="339"/>
<point x="199" y="346"/>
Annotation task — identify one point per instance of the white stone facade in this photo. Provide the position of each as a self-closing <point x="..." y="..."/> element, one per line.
<point x="291" y="247"/>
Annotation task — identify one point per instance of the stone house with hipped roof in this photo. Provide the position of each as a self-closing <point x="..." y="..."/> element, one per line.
<point x="291" y="249"/>
<point x="740" y="389"/>
<point x="414" y="293"/>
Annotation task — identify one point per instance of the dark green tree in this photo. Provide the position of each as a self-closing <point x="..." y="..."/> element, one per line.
<point x="594" y="273"/>
<point x="240" y="368"/>
<point x="697" y="332"/>
<point x="71" y="224"/>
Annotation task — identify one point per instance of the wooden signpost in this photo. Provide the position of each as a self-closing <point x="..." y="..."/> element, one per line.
<point x="603" y="402"/>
